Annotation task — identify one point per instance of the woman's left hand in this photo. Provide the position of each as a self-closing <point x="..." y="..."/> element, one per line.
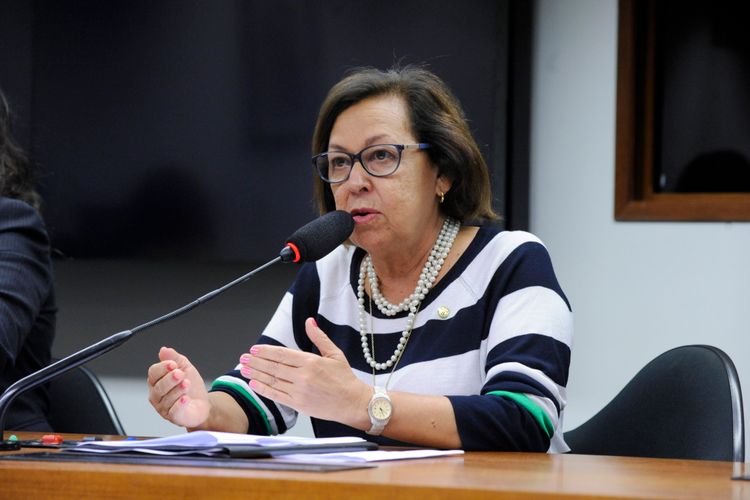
<point x="320" y="386"/>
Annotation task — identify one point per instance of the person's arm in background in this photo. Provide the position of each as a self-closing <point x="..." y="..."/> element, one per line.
<point x="25" y="275"/>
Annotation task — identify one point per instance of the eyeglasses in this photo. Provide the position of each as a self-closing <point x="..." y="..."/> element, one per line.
<point x="378" y="160"/>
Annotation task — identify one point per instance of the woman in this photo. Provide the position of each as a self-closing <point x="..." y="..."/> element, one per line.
<point x="27" y="305"/>
<point x="423" y="330"/>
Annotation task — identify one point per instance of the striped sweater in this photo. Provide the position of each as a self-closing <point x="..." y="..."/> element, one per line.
<point x="501" y="355"/>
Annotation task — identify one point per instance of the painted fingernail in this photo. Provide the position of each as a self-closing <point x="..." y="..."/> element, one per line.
<point x="170" y="367"/>
<point x="244" y="358"/>
<point x="254" y="384"/>
<point x="183" y="400"/>
<point x="245" y="372"/>
<point x="254" y="350"/>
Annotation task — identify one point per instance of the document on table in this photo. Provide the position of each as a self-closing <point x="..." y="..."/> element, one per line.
<point x="210" y="443"/>
<point x="371" y="456"/>
<point x="334" y="450"/>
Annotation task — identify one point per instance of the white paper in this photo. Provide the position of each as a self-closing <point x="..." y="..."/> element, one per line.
<point x="369" y="456"/>
<point x="209" y="452"/>
<point x="208" y="439"/>
<point x="207" y="442"/>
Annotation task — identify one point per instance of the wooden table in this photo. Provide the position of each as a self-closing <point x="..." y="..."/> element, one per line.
<point x="473" y="476"/>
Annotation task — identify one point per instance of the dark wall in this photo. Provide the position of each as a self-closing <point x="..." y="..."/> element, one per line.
<point x="173" y="141"/>
<point x="15" y="63"/>
<point x="182" y="128"/>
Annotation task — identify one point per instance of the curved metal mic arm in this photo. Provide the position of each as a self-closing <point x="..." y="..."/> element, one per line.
<point x="95" y="350"/>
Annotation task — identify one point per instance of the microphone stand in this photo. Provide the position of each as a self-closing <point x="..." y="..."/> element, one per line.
<point x="93" y="351"/>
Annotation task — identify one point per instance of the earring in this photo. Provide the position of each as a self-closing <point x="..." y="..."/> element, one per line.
<point x="442" y="197"/>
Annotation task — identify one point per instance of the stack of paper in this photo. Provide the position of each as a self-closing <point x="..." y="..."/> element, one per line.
<point x="210" y="443"/>
<point x="370" y="456"/>
<point x="328" y="450"/>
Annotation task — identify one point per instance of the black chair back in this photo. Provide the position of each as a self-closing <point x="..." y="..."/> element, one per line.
<point x="686" y="403"/>
<point x="79" y="404"/>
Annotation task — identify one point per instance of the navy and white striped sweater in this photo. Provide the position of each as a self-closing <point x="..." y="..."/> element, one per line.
<point x="501" y="356"/>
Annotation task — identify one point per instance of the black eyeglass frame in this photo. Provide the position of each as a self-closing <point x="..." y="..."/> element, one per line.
<point x="358" y="158"/>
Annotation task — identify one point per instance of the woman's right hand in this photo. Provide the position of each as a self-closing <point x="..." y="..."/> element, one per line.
<point x="177" y="390"/>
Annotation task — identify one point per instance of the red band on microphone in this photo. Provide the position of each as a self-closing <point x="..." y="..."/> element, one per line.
<point x="295" y="250"/>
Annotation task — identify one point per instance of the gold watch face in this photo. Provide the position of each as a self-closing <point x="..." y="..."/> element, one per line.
<point x="381" y="409"/>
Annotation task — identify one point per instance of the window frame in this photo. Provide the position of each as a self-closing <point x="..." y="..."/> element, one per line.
<point x="635" y="199"/>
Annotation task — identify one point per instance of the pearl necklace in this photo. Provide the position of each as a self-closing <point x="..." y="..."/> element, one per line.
<point x="427" y="278"/>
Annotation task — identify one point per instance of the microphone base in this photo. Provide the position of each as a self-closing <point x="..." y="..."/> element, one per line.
<point x="9" y="444"/>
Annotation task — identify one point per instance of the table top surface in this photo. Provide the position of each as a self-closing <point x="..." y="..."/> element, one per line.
<point x="472" y="475"/>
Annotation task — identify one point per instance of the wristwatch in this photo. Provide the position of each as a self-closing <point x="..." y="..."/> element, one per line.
<point x="380" y="410"/>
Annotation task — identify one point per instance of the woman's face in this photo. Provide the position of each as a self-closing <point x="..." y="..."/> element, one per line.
<point x="391" y="213"/>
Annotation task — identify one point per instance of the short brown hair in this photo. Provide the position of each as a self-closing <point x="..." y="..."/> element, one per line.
<point x="436" y="118"/>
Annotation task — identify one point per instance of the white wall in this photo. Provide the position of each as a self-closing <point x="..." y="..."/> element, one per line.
<point x="637" y="288"/>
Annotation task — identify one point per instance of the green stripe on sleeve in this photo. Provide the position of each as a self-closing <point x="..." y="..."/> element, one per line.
<point x="527" y="404"/>
<point x="244" y="392"/>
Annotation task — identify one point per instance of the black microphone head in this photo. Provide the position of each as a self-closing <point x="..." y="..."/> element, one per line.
<point x="318" y="238"/>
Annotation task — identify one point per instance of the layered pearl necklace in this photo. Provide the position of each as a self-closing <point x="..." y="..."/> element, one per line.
<point x="427" y="278"/>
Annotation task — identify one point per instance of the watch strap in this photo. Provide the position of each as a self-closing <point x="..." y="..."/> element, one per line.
<point x="376" y="429"/>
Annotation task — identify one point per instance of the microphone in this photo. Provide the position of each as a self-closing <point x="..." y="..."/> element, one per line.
<point x="318" y="238"/>
<point x="311" y="242"/>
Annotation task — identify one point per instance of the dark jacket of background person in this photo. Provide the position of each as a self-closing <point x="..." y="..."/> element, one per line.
<point x="27" y="309"/>
<point x="27" y="303"/>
